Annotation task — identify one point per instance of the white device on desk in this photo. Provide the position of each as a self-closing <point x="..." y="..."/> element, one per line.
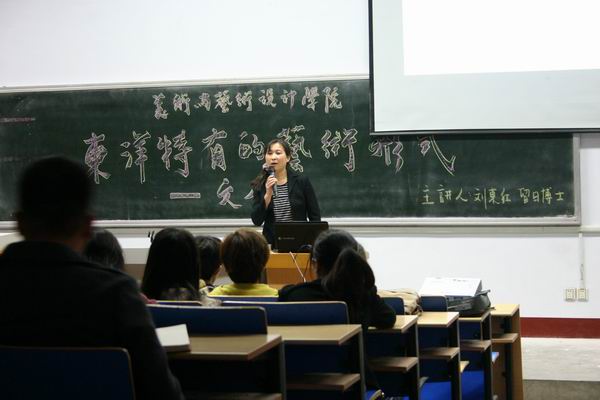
<point x="465" y="295"/>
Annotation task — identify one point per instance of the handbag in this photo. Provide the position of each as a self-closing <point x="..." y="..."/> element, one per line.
<point x="470" y="306"/>
<point x="412" y="300"/>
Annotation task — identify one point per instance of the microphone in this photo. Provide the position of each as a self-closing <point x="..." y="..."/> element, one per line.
<point x="298" y="267"/>
<point x="271" y="172"/>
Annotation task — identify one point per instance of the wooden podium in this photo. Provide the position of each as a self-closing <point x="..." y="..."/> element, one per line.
<point x="286" y="268"/>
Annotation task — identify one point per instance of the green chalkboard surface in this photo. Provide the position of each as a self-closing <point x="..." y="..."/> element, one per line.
<point x="189" y="152"/>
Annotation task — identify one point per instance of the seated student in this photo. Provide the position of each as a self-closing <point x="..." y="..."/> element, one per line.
<point x="72" y="302"/>
<point x="210" y="261"/>
<point x="343" y="274"/>
<point x="244" y="254"/>
<point x="172" y="271"/>
<point x="104" y="248"/>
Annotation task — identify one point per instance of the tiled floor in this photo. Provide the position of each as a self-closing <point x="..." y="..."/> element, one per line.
<point x="561" y="359"/>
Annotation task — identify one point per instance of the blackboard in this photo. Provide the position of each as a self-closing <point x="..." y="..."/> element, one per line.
<point x="190" y="151"/>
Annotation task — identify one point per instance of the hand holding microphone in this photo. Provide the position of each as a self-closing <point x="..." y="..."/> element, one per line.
<point x="271" y="177"/>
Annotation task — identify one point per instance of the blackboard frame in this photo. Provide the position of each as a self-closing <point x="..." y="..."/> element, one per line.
<point x="342" y="222"/>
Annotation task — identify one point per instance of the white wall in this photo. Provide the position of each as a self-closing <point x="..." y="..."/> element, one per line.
<point x="62" y="42"/>
<point x="88" y="42"/>
<point x="532" y="268"/>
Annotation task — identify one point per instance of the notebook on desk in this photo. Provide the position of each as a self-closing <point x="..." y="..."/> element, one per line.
<point x="174" y="338"/>
<point x="297" y="237"/>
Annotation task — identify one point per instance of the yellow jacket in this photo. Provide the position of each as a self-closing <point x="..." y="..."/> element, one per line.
<point x="244" y="289"/>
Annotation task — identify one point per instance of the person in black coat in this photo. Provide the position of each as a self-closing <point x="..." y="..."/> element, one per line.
<point x="343" y="274"/>
<point x="50" y="295"/>
<point x="279" y="193"/>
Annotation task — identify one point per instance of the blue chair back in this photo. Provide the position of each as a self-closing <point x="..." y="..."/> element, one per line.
<point x="434" y="303"/>
<point x="396" y="303"/>
<point x="190" y="303"/>
<point x="211" y="320"/>
<point x="300" y="313"/>
<point x="259" y="299"/>
<point x="65" y="373"/>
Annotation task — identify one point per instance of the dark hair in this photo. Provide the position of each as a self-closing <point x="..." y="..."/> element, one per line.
<point x="345" y="273"/>
<point x="260" y="179"/>
<point x="286" y="146"/>
<point x="54" y="198"/>
<point x="104" y="248"/>
<point x="172" y="264"/>
<point x="245" y="254"/>
<point x="208" y="255"/>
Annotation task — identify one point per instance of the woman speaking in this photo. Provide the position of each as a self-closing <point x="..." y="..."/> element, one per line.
<point x="281" y="195"/>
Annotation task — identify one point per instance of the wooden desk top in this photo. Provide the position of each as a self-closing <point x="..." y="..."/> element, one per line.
<point x="228" y="347"/>
<point x="315" y="334"/>
<point x="504" y="310"/>
<point x="479" y="318"/>
<point x="403" y="323"/>
<point x="437" y="319"/>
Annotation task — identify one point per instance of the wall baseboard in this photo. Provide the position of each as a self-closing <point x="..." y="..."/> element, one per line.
<point x="588" y="328"/>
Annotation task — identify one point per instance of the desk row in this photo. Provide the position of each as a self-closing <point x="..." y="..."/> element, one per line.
<point x="324" y="359"/>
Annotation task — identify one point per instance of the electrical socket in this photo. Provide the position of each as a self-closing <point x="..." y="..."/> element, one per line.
<point x="571" y="294"/>
<point x="582" y="294"/>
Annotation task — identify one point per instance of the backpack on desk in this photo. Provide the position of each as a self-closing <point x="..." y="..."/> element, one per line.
<point x="412" y="300"/>
<point x="469" y="306"/>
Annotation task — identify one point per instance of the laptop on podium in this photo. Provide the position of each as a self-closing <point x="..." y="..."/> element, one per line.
<point x="297" y="237"/>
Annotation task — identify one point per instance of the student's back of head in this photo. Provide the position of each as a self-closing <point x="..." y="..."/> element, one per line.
<point x="172" y="267"/>
<point x="54" y="202"/>
<point x="244" y="254"/>
<point x="104" y="248"/>
<point x="344" y="271"/>
<point x="209" y="248"/>
<point x="73" y="302"/>
<point x="328" y="246"/>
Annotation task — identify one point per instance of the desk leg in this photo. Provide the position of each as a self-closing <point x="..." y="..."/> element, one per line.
<point x="508" y="359"/>
<point x="360" y="362"/>
<point x="279" y="371"/>
<point x="455" y="378"/>
<point x="508" y="373"/>
<point x="413" y="380"/>
<point x="454" y="341"/>
<point x="412" y="350"/>
<point x="487" y="374"/>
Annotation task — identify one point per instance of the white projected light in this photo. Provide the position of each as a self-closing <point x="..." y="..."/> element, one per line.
<point x="485" y="65"/>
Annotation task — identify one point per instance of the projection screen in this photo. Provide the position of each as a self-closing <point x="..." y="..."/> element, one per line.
<point x="484" y="65"/>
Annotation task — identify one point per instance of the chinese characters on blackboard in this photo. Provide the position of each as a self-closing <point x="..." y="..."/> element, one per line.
<point x="175" y="151"/>
<point x="223" y="100"/>
<point x="488" y="197"/>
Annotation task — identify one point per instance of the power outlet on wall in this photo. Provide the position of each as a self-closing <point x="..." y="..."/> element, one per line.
<point x="582" y="294"/>
<point x="571" y="294"/>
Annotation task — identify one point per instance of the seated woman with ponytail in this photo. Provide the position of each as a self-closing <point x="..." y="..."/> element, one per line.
<point x="172" y="269"/>
<point x="343" y="274"/>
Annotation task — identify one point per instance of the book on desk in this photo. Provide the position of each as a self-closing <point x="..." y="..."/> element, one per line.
<point x="174" y="338"/>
